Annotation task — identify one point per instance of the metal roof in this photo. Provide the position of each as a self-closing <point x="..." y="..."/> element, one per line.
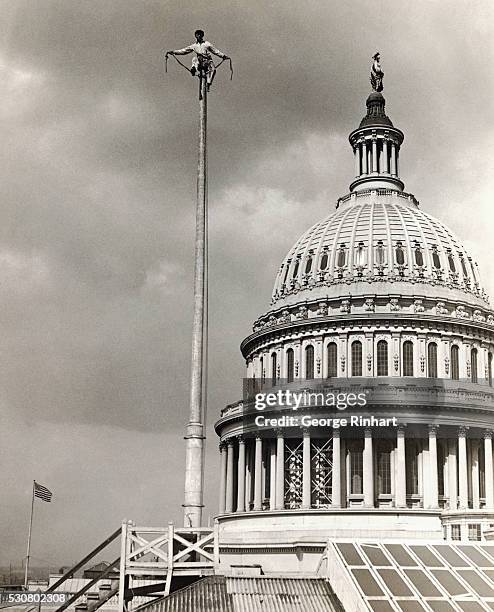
<point x="242" y="594"/>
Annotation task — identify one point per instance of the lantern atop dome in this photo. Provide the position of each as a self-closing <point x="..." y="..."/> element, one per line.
<point x="376" y="142"/>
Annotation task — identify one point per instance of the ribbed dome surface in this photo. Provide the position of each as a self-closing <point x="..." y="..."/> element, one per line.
<point x="376" y="236"/>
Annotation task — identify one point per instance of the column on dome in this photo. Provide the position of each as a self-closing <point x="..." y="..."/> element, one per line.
<point x="452" y="475"/>
<point x="229" y="477"/>
<point x="384" y="158"/>
<point x="393" y="159"/>
<point x="431" y="482"/>
<point x="368" y="470"/>
<point x="357" y="160"/>
<point x="400" y="469"/>
<point x="280" y="471"/>
<point x="306" y="470"/>
<point x="374" y="155"/>
<point x="488" y="471"/>
<point x="474" y="454"/>
<point x="241" y="475"/>
<point x="364" y="158"/>
<point x="298" y="369"/>
<point x="336" y="474"/>
<point x="222" y="477"/>
<point x="318" y="359"/>
<point x="462" y="468"/>
<point x="258" y="474"/>
<point x="272" y="474"/>
<point x="248" y="475"/>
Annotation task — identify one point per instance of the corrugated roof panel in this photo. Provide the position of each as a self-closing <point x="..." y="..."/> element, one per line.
<point x="241" y="594"/>
<point x="281" y="595"/>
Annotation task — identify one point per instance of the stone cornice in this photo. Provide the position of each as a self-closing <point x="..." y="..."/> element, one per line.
<point x="337" y="323"/>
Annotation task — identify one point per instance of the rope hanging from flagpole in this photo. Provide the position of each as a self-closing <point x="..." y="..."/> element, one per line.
<point x="231" y="66"/>
<point x="188" y="70"/>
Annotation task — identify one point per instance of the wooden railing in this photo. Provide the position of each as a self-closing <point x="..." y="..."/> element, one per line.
<point x="157" y="552"/>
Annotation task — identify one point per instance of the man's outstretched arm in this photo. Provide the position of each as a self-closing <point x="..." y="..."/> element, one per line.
<point x="184" y="51"/>
<point x="217" y="52"/>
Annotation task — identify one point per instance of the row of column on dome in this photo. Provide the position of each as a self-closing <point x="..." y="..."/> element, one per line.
<point x="419" y="357"/>
<point x="399" y="254"/>
<point x="376" y="156"/>
<point x="336" y="472"/>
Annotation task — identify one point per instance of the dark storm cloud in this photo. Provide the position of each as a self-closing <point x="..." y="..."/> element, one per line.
<point x="98" y="162"/>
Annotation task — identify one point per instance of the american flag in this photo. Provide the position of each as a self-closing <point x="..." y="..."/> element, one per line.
<point x="42" y="492"/>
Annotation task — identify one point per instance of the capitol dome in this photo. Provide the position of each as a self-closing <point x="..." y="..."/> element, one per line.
<point x="377" y="239"/>
<point x="381" y="299"/>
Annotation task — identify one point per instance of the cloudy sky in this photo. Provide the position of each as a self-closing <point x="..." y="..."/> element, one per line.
<point x="98" y="158"/>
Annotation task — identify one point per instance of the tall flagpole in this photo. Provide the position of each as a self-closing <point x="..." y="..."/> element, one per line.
<point x="29" y="539"/>
<point x="194" y="438"/>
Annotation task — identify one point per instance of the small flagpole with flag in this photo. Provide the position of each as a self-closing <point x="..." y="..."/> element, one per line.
<point x="44" y="494"/>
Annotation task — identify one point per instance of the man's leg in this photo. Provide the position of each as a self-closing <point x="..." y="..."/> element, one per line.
<point x="210" y="78"/>
<point x="195" y="66"/>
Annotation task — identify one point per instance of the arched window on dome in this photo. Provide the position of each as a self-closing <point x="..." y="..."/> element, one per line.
<point x="308" y="264"/>
<point x="412" y="467"/>
<point x="432" y="360"/>
<point x="324" y="261"/>
<point x="290" y="365"/>
<point x="441" y="464"/>
<point x="356" y="476"/>
<point x="383" y="456"/>
<point x="380" y="254"/>
<point x="360" y="258"/>
<point x="472" y="266"/>
<point x="274" y="369"/>
<point x="473" y="365"/>
<point x="435" y="259"/>
<point x="463" y="267"/>
<point x="341" y="261"/>
<point x="382" y="358"/>
<point x="407" y="358"/>
<point x="489" y="369"/>
<point x="309" y="362"/>
<point x="295" y="268"/>
<point x="419" y="257"/>
<point x="357" y="358"/>
<point x="455" y="365"/>
<point x="400" y="254"/>
<point x="451" y="263"/>
<point x="263" y="371"/>
<point x="287" y="268"/>
<point x="332" y="360"/>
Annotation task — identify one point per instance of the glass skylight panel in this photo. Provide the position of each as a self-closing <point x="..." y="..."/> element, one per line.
<point x="426" y="556"/>
<point x="441" y="606"/>
<point x="422" y="583"/>
<point x="367" y="583"/>
<point x="380" y="605"/>
<point x="395" y="583"/>
<point x="451" y="556"/>
<point x="449" y="583"/>
<point x="470" y="606"/>
<point x="400" y="555"/>
<point x="477" y="583"/>
<point x="375" y="555"/>
<point x="411" y="605"/>
<point x="476" y="556"/>
<point x="350" y="554"/>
